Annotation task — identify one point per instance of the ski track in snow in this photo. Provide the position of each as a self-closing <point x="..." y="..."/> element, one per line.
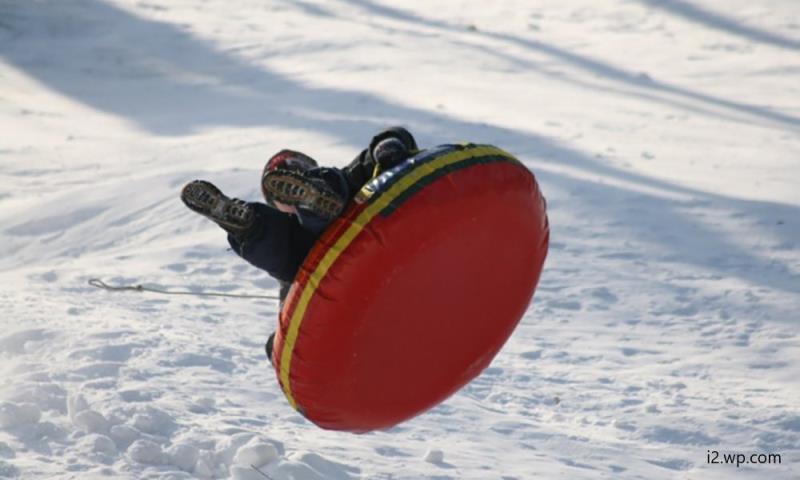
<point x="665" y="136"/>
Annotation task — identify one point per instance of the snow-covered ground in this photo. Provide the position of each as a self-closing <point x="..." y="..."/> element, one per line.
<point x="664" y="133"/>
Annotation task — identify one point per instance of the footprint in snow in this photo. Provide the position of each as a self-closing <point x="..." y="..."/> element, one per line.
<point x="573" y="305"/>
<point x="24" y="341"/>
<point x="107" y="353"/>
<point x="673" y="464"/>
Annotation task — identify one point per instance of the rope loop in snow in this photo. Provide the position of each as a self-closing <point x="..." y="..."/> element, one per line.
<point x="98" y="283"/>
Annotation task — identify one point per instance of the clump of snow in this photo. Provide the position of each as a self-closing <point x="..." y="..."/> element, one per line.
<point x="227" y="448"/>
<point x="146" y="452"/>
<point x="183" y="456"/>
<point x="103" y="444"/>
<point x="8" y="470"/>
<point x="154" y="421"/>
<point x="205" y="465"/>
<point x="790" y="423"/>
<point x="176" y="476"/>
<point x="99" y="446"/>
<point x="124" y="435"/>
<point x="23" y="341"/>
<point x="624" y="424"/>
<point x="46" y="395"/>
<point x="256" y="453"/>
<point x="203" y="405"/>
<point x="76" y="403"/>
<point x="304" y="466"/>
<point x="6" y="451"/>
<point x="248" y="473"/>
<point x="91" y="421"/>
<point x="13" y="415"/>
<point x="434" y="455"/>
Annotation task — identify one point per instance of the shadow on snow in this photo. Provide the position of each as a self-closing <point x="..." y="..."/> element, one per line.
<point x="171" y="82"/>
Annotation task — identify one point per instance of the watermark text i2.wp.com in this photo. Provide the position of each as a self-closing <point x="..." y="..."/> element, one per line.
<point x="715" y="457"/>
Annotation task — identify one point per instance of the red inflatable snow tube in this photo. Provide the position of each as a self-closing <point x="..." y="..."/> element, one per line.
<point x="411" y="293"/>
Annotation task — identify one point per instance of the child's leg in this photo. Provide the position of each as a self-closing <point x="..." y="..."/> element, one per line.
<point x="276" y="243"/>
<point x="336" y="181"/>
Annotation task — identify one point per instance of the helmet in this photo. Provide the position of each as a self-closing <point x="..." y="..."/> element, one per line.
<point x="290" y="160"/>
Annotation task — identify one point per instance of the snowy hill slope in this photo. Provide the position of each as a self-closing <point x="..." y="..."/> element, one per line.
<point x="665" y="135"/>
